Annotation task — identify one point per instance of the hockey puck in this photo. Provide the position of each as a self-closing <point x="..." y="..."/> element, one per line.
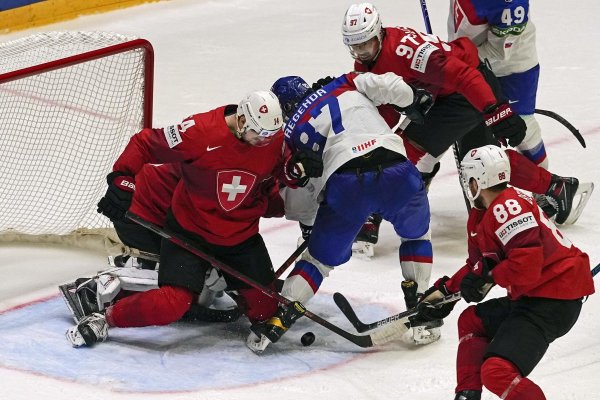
<point x="307" y="339"/>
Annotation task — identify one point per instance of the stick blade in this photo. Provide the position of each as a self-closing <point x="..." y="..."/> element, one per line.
<point x="345" y="307"/>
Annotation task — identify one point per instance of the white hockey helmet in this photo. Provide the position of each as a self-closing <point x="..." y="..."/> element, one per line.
<point x="488" y="165"/>
<point x="262" y="112"/>
<point x="361" y="23"/>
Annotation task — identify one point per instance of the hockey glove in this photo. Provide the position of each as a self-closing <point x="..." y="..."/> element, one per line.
<point x="304" y="164"/>
<point x="422" y="103"/>
<point x="117" y="199"/>
<point x="505" y="124"/>
<point x="475" y="287"/>
<point x="322" y="82"/>
<point x="426" y="306"/>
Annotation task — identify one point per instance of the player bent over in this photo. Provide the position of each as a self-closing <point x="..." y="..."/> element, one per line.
<point x="514" y="245"/>
<point x="469" y="106"/>
<point x="357" y="166"/>
<point x="225" y="157"/>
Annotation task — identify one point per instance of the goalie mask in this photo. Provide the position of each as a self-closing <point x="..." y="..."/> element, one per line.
<point x="263" y="117"/>
<point x="290" y="90"/>
<point x="488" y="165"/>
<point x="361" y="24"/>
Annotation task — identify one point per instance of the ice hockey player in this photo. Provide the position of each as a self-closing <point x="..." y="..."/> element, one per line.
<point x="225" y="156"/>
<point x="148" y="196"/>
<point x="511" y="244"/>
<point x="505" y="37"/>
<point x="337" y="131"/>
<point x="469" y="107"/>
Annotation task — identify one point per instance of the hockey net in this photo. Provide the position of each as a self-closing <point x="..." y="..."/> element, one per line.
<point x="69" y="102"/>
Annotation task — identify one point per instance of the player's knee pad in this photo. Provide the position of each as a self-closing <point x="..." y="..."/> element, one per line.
<point x="502" y="378"/>
<point x="469" y="324"/>
<point x="416" y="258"/>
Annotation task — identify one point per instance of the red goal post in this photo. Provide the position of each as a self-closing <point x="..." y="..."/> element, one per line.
<point x="69" y="102"/>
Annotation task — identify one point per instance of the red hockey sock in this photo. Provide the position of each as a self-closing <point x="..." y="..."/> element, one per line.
<point x="526" y="175"/>
<point x="502" y="378"/>
<point x="472" y="343"/>
<point x="154" y="307"/>
<point x="256" y="305"/>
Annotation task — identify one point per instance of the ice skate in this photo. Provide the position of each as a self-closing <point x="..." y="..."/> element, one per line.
<point x="90" y="330"/>
<point x="365" y="241"/>
<point x="271" y="330"/>
<point x="570" y="198"/>
<point x="424" y="332"/>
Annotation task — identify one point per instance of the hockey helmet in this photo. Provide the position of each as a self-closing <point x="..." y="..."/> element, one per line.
<point x="488" y="165"/>
<point x="290" y="90"/>
<point x="262" y="112"/>
<point x="361" y="23"/>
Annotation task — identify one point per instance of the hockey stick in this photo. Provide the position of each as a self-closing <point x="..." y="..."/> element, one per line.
<point x="426" y="16"/>
<point x="564" y="122"/>
<point x="344" y="305"/>
<point x="362" y="341"/>
<point x="425" y="11"/>
<point x="361" y="327"/>
<point x="291" y="259"/>
<point x="595" y="270"/>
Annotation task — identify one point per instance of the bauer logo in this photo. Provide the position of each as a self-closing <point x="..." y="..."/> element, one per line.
<point x="514" y="226"/>
<point x="419" y="62"/>
<point x="364" y="146"/>
<point x="172" y="135"/>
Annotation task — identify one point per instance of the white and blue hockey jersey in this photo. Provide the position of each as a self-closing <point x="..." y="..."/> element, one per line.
<point x="340" y="121"/>
<point x="501" y="29"/>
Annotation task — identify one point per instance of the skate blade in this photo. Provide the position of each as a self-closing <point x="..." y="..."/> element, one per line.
<point x="257" y="344"/>
<point x="363" y="249"/>
<point x="584" y="191"/>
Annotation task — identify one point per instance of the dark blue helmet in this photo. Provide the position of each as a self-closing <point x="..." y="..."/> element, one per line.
<point x="290" y="90"/>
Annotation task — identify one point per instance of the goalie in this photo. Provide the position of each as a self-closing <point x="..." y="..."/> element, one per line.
<point x="227" y="160"/>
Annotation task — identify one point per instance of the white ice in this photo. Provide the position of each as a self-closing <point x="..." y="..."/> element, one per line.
<point x="209" y="53"/>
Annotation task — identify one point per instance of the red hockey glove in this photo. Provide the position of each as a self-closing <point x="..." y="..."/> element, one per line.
<point x="505" y="124"/>
<point x="117" y="199"/>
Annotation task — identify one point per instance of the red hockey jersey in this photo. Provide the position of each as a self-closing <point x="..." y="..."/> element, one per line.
<point x="534" y="258"/>
<point x="154" y="188"/>
<point x="426" y="62"/>
<point x="225" y="183"/>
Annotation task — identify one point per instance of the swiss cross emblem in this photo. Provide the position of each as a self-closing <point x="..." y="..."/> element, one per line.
<point x="233" y="186"/>
<point x="368" y="10"/>
<point x="263" y="109"/>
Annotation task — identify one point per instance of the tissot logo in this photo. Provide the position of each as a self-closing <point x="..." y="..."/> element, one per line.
<point x="172" y="135"/>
